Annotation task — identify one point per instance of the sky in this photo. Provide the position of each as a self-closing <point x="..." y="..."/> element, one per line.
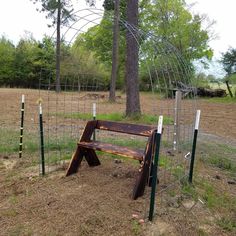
<point x="20" y="16"/>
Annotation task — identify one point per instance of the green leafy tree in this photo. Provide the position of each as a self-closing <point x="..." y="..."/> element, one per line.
<point x="229" y="63"/>
<point x="78" y="62"/>
<point x="26" y="59"/>
<point x="171" y="21"/>
<point x="61" y="12"/>
<point x="45" y="60"/>
<point x="179" y="39"/>
<point x="7" y="56"/>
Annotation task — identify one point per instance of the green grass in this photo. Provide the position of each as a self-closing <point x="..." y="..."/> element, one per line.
<point x="189" y="190"/>
<point x="227" y="223"/>
<point x="126" y="142"/>
<point x="54" y="158"/>
<point x="9" y="140"/>
<point x="217" y="201"/>
<point x="136" y="227"/>
<point x="227" y="99"/>
<point x="218" y="155"/>
<point x="178" y="171"/>
<point x="119" y="117"/>
<point x="223" y="163"/>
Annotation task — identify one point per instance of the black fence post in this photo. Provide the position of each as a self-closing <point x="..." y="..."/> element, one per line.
<point x="94" y="118"/>
<point x="197" y="121"/>
<point x="41" y="138"/>
<point x="155" y="166"/>
<point x="22" y="124"/>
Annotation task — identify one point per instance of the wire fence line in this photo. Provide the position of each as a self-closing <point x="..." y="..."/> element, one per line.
<point x="65" y="115"/>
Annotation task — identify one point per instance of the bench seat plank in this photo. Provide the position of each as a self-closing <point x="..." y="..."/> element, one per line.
<point x="134" y="129"/>
<point x="113" y="149"/>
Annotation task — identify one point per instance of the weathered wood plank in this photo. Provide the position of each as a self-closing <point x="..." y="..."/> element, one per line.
<point x="88" y="130"/>
<point x="140" y="130"/>
<point x="113" y="149"/>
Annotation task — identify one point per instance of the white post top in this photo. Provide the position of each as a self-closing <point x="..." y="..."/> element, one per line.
<point x="94" y="109"/>
<point x="197" y="121"/>
<point x="160" y="122"/>
<point x="40" y="109"/>
<point x="23" y="98"/>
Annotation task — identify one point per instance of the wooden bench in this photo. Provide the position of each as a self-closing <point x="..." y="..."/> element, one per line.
<point x="86" y="148"/>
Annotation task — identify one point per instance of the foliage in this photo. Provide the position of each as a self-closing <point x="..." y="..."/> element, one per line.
<point x="229" y="61"/>
<point x="171" y="21"/>
<point x="51" y="7"/>
<point x="7" y="57"/>
<point x="82" y="63"/>
<point x="179" y="40"/>
<point x="201" y="80"/>
<point x="98" y="41"/>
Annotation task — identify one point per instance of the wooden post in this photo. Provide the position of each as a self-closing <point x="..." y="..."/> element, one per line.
<point x="177" y="109"/>
<point x="22" y="124"/>
<point x="197" y="121"/>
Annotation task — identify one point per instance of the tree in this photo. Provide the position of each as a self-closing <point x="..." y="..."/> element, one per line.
<point x="172" y="21"/>
<point x="7" y="55"/>
<point x="176" y="38"/>
<point x="61" y="12"/>
<point x="132" y="50"/>
<point x="26" y="61"/>
<point x="115" y="51"/>
<point x="229" y="63"/>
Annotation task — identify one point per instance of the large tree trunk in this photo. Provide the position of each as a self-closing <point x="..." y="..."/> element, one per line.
<point x="115" y="51"/>
<point x="131" y="76"/>
<point x="58" y="48"/>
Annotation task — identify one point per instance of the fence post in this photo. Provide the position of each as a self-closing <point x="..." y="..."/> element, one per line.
<point x="41" y="138"/>
<point x="22" y="124"/>
<point x="178" y="98"/>
<point x="197" y="121"/>
<point x="94" y="118"/>
<point x="155" y="165"/>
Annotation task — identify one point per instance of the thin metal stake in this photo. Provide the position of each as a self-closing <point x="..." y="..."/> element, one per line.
<point x="22" y="124"/>
<point x="41" y="138"/>
<point x="94" y="118"/>
<point x="155" y="165"/>
<point x="190" y="179"/>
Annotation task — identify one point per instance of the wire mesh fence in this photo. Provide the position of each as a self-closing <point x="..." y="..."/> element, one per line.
<point x="64" y="117"/>
<point x="65" y="114"/>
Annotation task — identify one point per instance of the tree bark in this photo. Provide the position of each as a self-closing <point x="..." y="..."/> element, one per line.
<point x="58" y="48"/>
<point x="131" y="76"/>
<point x="115" y="52"/>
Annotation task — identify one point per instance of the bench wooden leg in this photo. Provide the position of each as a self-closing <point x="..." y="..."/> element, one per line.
<point x="75" y="161"/>
<point x="91" y="157"/>
<point x="141" y="181"/>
